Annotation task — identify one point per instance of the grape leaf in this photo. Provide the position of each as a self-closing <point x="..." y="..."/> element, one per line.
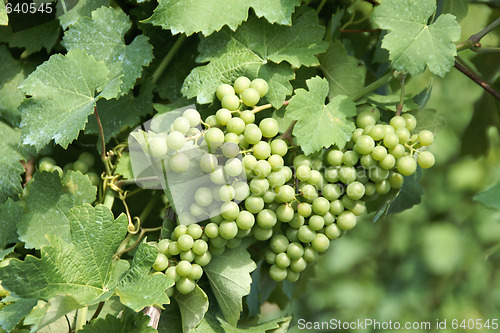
<point x="6" y="252"/>
<point x="43" y="36"/>
<point x="50" y="312"/>
<point x="11" y="314"/>
<point x="229" y="277"/>
<point x="214" y="324"/>
<point x="212" y="15"/>
<point x="10" y="212"/>
<point x="126" y="111"/>
<point x="64" y="91"/>
<point x="490" y="198"/>
<point x="83" y="8"/>
<point x="344" y="73"/>
<point x="458" y="8"/>
<point x="428" y="119"/>
<point x="414" y="44"/>
<point x="129" y="322"/>
<point x="4" y="19"/>
<point x="138" y="289"/>
<point x="10" y="167"/>
<point x="389" y="102"/>
<point x="193" y="307"/>
<point x="409" y="195"/>
<point x="319" y="125"/>
<point x="13" y="74"/>
<point x="82" y="268"/>
<point x="48" y="203"/>
<point x="124" y="167"/>
<point x="249" y="51"/>
<point x="102" y="36"/>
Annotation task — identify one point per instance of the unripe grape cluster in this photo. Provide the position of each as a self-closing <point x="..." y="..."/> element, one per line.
<point x="269" y="190"/>
<point x="84" y="164"/>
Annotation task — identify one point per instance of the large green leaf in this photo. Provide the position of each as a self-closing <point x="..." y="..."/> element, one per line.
<point x="249" y="51"/>
<point x="490" y="198"/>
<point x="64" y="91"/>
<point x="414" y="44"/>
<point x="138" y="288"/>
<point x="32" y="40"/>
<point x="11" y="314"/>
<point x="207" y="16"/>
<point x="50" y="312"/>
<point x="459" y="8"/>
<point x="102" y="36"/>
<point x="229" y="276"/>
<point x="82" y="268"/>
<point x="47" y="206"/>
<point x="10" y="167"/>
<point x="319" y="125"/>
<point x="193" y="307"/>
<point x="10" y="212"/>
<point x="83" y="8"/>
<point x="344" y="73"/>
<point x="129" y="322"/>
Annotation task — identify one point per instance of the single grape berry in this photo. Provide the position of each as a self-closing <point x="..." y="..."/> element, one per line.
<point x="426" y="159"/>
<point x="250" y="97"/>
<point x="269" y="127"/>
<point x="223" y="90"/>
<point x="261" y="86"/>
<point x="241" y="84"/>
<point x="230" y="102"/>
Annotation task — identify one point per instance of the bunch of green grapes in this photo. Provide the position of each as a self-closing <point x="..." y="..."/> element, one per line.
<point x="294" y="204"/>
<point x="84" y="164"/>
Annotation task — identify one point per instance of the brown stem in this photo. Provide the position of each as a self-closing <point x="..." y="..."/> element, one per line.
<point x="29" y="167"/>
<point x="399" y="107"/>
<point x="101" y="132"/>
<point x="473" y="41"/>
<point x="154" y="313"/>
<point x="288" y="133"/>
<point x="98" y="311"/>
<point x="358" y="30"/>
<point x="474" y="77"/>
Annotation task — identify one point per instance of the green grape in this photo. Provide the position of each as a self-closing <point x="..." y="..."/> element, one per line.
<point x="398" y="122"/>
<point x="266" y="219"/>
<point x="276" y="179"/>
<point x="316" y="222"/>
<point x="184" y="268"/>
<point x="396" y="180"/>
<point x="196" y="273"/>
<point x="292" y="276"/>
<point x="310" y="254"/>
<point x="78" y="166"/>
<point x="367" y="117"/>
<point x="241" y="191"/>
<point x="175" y="140"/>
<point x="185" y="242"/>
<point x="163" y="246"/>
<point x="173" y="249"/>
<point x="214" y="137"/>
<point x="254" y="204"/>
<point x="383" y="187"/>
<point x="233" y="167"/>
<point x="388" y="162"/>
<point x="286" y="193"/>
<point x="331" y="174"/>
<point x="365" y="144"/>
<point x="279" y="147"/>
<point x="297" y="221"/>
<point x="333" y="231"/>
<point x="171" y="272"/>
<point x="188" y="255"/>
<point x="346" y="220"/>
<point x="200" y="247"/>
<point x="391" y="140"/>
<point x="182" y="125"/>
<point x="320" y="243"/>
<point x="426" y="159"/>
<point x="262" y="168"/>
<point x="185" y="285"/>
<point x="248" y="116"/>
<point x="261" y="150"/>
<point x="291" y="234"/>
<point x="328" y="218"/>
<point x="347" y="174"/>
<point x="355" y="190"/>
<point x="259" y="186"/>
<point x="336" y="207"/>
<point x="359" y="208"/>
<point x="262" y="234"/>
<point x="203" y="259"/>
<point x="334" y="157"/>
<point x="223" y="90"/>
<point x="295" y="250"/>
<point x="315" y="178"/>
<point x="250" y="162"/>
<point x="269" y="196"/>
<point x="229" y="211"/>
<point x="298" y="265"/>
<point x="358" y="132"/>
<point x="320" y="205"/>
<point x="410" y="120"/>
<point x="228" y="229"/>
<point x="287" y="171"/>
<point x="368" y="162"/>
<point x="309" y="192"/>
<point x="87" y="158"/>
<point x="179" y="231"/>
<point x="304" y="209"/>
<point x="217" y="251"/>
<point x="377" y="132"/>
<point x="218" y="176"/>
<point x="161" y="262"/>
<point x="302" y="160"/>
<point x="261" y="86"/>
<point x="379" y="153"/>
<point x="208" y="162"/>
<point x="230" y="102"/>
<point x="233" y="243"/>
<point x="211" y="121"/>
<point x="236" y="125"/>
<point x="426" y="137"/>
<point x="231" y="137"/>
<point x="269" y="127"/>
<point x="250" y="97"/>
<point x="331" y="192"/>
<point x="277" y="273"/>
<point x="282" y="260"/>
<point x="279" y="243"/>
<point x="217" y="242"/>
<point x="211" y="230"/>
<point x="193" y="116"/>
<point x="388" y="129"/>
<point x="196" y="210"/>
<point x="406" y="165"/>
<point x="377" y="174"/>
<point x="252" y="134"/>
<point x="270" y="256"/>
<point x="222" y="116"/>
<point x="350" y="158"/>
<point x="303" y="173"/>
<point x="403" y="134"/>
<point x="306" y="234"/>
<point x="276" y="162"/>
<point x="59" y="171"/>
<point x="245" y="220"/>
<point x="285" y="213"/>
<point x="241" y="84"/>
<point x="348" y="202"/>
<point x="230" y="149"/>
<point x="203" y="197"/>
<point x="243" y="233"/>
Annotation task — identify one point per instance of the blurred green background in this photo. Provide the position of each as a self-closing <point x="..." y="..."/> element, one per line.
<point x="440" y="259"/>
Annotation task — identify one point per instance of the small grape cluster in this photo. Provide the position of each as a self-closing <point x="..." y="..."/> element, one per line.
<point x="268" y="190"/>
<point x="84" y="164"/>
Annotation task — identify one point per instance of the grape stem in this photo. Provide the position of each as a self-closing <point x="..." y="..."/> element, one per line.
<point x="101" y="133"/>
<point x="287" y="135"/>
<point x="373" y="86"/>
<point x="473" y="42"/>
<point x="29" y="168"/>
<point x="154" y="313"/>
<point x="399" y="107"/>
<point x="266" y="106"/>
<point x="97" y="311"/>
<point x="168" y="58"/>
<point x="474" y="77"/>
<point x="81" y="318"/>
